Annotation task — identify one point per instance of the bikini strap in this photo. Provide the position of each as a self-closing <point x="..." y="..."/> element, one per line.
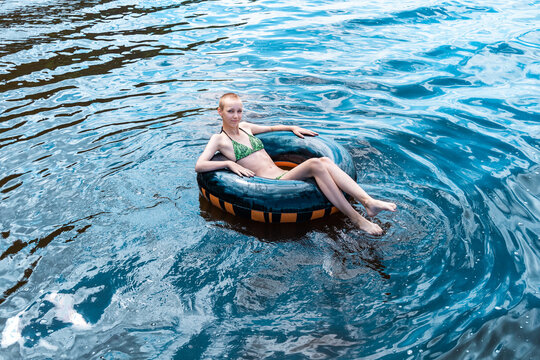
<point x="223" y="131"/>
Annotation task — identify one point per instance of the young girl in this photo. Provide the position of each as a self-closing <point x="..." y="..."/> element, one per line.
<point x="248" y="158"/>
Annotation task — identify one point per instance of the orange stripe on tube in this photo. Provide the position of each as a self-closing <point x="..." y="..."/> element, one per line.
<point x="288" y="217"/>
<point x="229" y="208"/>
<point x="334" y="210"/>
<point x="214" y="200"/>
<point x="317" y="214"/>
<point x="286" y="164"/>
<point x="257" y="215"/>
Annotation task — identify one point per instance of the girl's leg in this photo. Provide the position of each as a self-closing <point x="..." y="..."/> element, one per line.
<point x="348" y="185"/>
<point x="316" y="168"/>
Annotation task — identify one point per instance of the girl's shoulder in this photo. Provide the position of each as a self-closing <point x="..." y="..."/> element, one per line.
<point x="219" y="139"/>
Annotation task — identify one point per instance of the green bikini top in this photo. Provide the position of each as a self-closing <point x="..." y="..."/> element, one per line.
<point x="241" y="150"/>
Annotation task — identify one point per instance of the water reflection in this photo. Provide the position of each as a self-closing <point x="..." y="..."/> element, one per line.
<point x="349" y="247"/>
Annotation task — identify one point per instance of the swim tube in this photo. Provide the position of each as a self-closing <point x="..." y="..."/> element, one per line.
<point x="277" y="201"/>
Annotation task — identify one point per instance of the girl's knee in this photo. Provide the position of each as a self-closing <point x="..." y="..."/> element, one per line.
<point x="318" y="165"/>
<point x="326" y="160"/>
<point x="313" y="161"/>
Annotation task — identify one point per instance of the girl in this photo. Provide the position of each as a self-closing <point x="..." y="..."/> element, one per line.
<point x="237" y="142"/>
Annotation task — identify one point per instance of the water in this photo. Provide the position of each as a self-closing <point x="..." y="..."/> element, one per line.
<point x="108" y="252"/>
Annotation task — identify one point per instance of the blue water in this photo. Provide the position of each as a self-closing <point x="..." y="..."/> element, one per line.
<point x="108" y="252"/>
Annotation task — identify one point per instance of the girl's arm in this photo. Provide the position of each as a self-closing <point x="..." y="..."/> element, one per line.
<point x="298" y="131"/>
<point x="204" y="162"/>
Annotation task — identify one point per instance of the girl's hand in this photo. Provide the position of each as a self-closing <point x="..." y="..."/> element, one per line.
<point x="300" y="132"/>
<point x="240" y="170"/>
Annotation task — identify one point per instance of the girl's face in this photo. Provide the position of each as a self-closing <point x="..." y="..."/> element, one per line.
<point x="231" y="113"/>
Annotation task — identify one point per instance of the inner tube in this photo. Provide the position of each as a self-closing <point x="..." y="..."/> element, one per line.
<point x="277" y="201"/>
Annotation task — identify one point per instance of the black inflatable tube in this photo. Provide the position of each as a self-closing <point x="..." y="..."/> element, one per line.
<point x="269" y="200"/>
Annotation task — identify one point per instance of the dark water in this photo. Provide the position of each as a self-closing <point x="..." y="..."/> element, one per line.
<point x="109" y="253"/>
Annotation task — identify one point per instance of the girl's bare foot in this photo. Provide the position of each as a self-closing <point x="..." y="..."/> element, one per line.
<point x="367" y="226"/>
<point x="373" y="207"/>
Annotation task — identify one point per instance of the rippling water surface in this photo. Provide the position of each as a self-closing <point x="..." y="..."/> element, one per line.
<point x="107" y="251"/>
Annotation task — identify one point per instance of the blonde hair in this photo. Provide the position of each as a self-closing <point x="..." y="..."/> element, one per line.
<point x="227" y="96"/>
